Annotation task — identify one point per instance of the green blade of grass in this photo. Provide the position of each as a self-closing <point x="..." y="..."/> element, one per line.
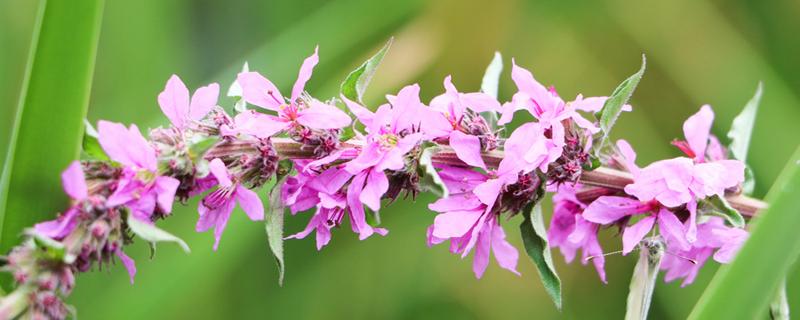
<point x="48" y="127"/>
<point x="744" y="289"/>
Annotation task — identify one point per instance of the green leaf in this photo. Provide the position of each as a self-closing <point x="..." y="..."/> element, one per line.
<point x="613" y="106"/>
<point x="47" y="133"/>
<point x="91" y="146"/>
<point x="644" y="279"/>
<point x="199" y="145"/>
<point x="740" y="134"/>
<point x="357" y="81"/>
<point x="742" y="127"/>
<point x="152" y="234"/>
<point x="429" y="180"/>
<point x="52" y="249"/>
<point x="718" y="206"/>
<point x="274" y="224"/>
<point x="490" y="85"/>
<point x="534" y="237"/>
<point x="763" y="262"/>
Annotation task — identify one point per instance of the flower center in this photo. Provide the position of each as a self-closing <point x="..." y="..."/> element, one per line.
<point x="388" y="141"/>
<point x="219" y="197"/>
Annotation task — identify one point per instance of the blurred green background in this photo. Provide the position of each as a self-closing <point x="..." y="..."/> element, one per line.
<point x="698" y="52"/>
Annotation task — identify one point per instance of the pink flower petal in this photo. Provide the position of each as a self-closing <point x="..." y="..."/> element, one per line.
<point x="305" y="73"/>
<point x="608" y="209"/>
<point x="322" y="116"/>
<point x="628" y="156"/>
<point x="527" y="84"/>
<point x="505" y="254"/>
<point x="455" y="223"/>
<point x="259" y="91"/>
<point x="74" y="182"/>
<point x="635" y="233"/>
<point x="257" y="124"/>
<point x="220" y="171"/>
<point x="126" y="145"/>
<point x="165" y="189"/>
<point x="482" y="251"/>
<point x="467" y="148"/>
<point x="174" y="101"/>
<point x="672" y="229"/>
<point x="362" y="114"/>
<point x="377" y="184"/>
<point x="250" y="203"/>
<point x="697" y="128"/>
<point x="128" y="263"/>
<point x="203" y="100"/>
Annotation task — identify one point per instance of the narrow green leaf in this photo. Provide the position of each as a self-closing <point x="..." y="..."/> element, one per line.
<point x="757" y="271"/>
<point x="429" y="178"/>
<point x="740" y="134"/>
<point x="357" y="81"/>
<point x="47" y="133"/>
<point x="490" y="85"/>
<point x="534" y="237"/>
<point x="718" y="206"/>
<point x="91" y="146"/>
<point x="274" y="219"/>
<point x="644" y="279"/>
<point x="613" y="106"/>
<point x="742" y="127"/>
<point x="153" y="234"/>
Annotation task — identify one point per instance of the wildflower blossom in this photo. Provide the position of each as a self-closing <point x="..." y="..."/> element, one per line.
<point x="546" y="106"/>
<point x="180" y="109"/>
<point x="140" y="188"/>
<point x="714" y="239"/>
<point x="458" y="121"/>
<point x="299" y="110"/>
<point x="329" y="192"/>
<point x="469" y="223"/>
<point x="216" y="207"/>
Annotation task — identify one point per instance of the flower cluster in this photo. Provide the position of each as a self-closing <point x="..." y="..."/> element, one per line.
<point x="342" y="168"/>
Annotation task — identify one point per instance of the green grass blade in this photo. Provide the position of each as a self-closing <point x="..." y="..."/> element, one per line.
<point x="745" y="288"/>
<point x="48" y="130"/>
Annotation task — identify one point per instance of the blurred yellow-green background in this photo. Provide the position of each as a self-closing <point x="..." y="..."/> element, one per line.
<point x="698" y="52"/>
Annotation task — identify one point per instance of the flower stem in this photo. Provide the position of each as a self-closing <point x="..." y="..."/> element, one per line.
<point x="601" y="177"/>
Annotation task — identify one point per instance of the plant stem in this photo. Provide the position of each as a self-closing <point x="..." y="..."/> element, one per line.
<point x="601" y="177"/>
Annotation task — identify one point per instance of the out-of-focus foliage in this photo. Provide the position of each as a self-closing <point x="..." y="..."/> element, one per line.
<point x="698" y="52"/>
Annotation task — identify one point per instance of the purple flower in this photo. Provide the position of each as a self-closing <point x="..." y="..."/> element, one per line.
<point x="455" y="119"/>
<point x="569" y="231"/>
<point x="714" y="238"/>
<point x="547" y="106"/>
<point x="612" y="209"/>
<point x="469" y="223"/>
<point x="679" y="181"/>
<point x="216" y="207"/>
<point x="74" y="183"/>
<point x="180" y="109"/>
<point x="333" y="198"/>
<point x="141" y="188"/>
<point x="392" y="132"/>
<point x="299" y="110"/>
